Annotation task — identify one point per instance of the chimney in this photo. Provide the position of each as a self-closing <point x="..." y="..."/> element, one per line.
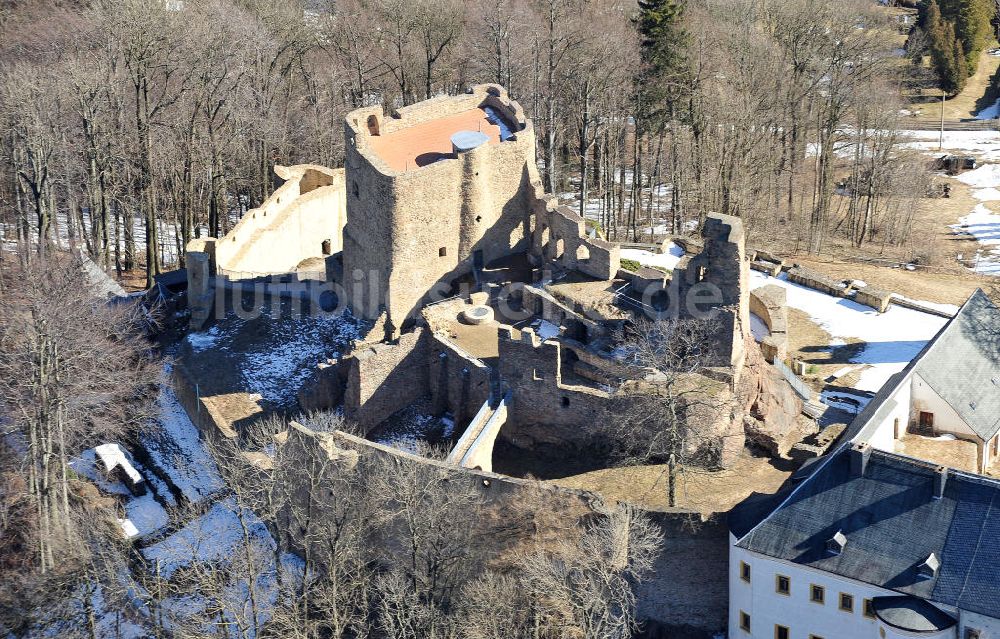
<point x="859" y="454"/>
<point x="940" y="479"/>
<point x="835" y="545"/>
<point x="929" y="567"/>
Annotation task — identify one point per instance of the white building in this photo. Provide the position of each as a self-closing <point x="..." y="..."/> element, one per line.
<point x="951" y="387"/>
<point x="866" y="543"/>
<point x="869" y="544"/>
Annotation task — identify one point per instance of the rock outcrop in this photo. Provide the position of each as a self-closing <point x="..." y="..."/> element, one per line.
<point x="771" y="408"/>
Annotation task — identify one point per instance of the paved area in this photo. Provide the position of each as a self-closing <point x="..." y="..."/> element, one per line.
<point x="427" y="142"/>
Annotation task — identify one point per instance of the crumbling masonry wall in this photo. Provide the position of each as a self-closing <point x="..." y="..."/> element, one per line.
<point x="559" y="235"/>
<point x="722" y="268"/>
<point x="459" y="382"/>
<point x="382" y="379"/>
<point x="411" y="230"/>
<point x="542" y="408"/>
<point x="302" y="219"/>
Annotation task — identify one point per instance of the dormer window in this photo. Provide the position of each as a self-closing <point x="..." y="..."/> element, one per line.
<point x="835" y="545"/>
<point x="929" y="568"/>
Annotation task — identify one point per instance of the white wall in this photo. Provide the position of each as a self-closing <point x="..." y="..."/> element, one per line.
<point x="946" y="420"/>
<point x="988" y="627"/>
<point x="803" y="618"/>
<point x="288" y="227"/>
<point x="883" y="437"/>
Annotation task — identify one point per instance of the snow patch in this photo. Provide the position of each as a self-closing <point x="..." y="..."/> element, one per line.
<point x="987" y="175"/>
<point x="992" y="112"/>
<point x="204" y="340"/>
<point x="174" y="446"/>
<point x="667" y="260"/>
<point x="986" y="195"/>
<point x="892" y="338"/>
<point x="984" y="225"/>
<point x="276" y="367"/>
<point x="112" y="456"/>
<point x="546" y="329"/>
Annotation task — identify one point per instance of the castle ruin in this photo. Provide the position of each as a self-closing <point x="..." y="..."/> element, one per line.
<point x="487" y="298"/>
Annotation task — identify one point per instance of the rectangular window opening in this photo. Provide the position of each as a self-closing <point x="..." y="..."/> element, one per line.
<point x="869" y="609"/>
<point x="846" y="602"/>
<point x="744" y="621"/>
<point x="817" y="594"/>
<point x="782" y="584"/>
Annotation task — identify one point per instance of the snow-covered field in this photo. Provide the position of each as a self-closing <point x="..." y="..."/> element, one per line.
<point x="982" y="223"/>
<point x="666" y="261"/>
<point x="984" y="144"/>
<point x="893" y="338"/>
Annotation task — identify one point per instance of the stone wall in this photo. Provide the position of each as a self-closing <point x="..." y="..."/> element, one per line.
<point x="383" y="379"/>
<point x="559" y="235"/>
<point x="721" y="267"/>
<point x="542" y="407"/>
<point x="769" y="303"/>
<point x="543" y="304"/>
<point x="874" y="297"/>
<point x="303" y="218"/>
<point x="459" y="382"/>
<point x="820" y="282"/>
<point x="415" y="231"/>
<point x="291" y="225"/>
<point x="217" y="416"/>
<point x="680" y="598"/>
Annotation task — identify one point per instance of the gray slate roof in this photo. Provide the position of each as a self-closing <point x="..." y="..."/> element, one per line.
<point x="962" y="365"/>
<point x="892" y="524"/>
<point x="911" y="614"/>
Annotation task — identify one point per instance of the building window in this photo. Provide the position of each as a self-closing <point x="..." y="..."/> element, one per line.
<point x="869" y="609"/>
<point x="782" y="584"/>
<point x="781" y="632"/>
<point x="744" y="621"/>
<point x="846" y="602"/>
<point x="565" y="402"/>
<point x="443" y="251"/>
<point x="354" y="189"/>
<point x="817" y="594"/>
<point x="815" y="637"/>
<point x="745" y="571"/>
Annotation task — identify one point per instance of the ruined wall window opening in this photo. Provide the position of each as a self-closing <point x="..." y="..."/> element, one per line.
<point x="582" y="253"/>
<point x="373" y="125"/>
<point x="443" y="251"/>
<point x="327" y="248"/>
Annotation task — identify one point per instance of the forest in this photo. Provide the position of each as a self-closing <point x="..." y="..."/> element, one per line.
<point x="129" y="127"/>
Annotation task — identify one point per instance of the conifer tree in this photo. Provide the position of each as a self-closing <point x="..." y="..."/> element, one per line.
<point x="663" y="43"/>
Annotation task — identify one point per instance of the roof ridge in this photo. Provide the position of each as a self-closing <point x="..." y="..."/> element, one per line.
<point x="975" y="553"/>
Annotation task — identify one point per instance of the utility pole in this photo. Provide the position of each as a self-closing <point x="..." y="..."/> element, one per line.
<point x="941" y="138"/>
